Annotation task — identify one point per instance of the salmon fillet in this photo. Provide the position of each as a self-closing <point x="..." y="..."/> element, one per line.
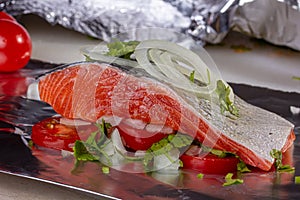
<point x="89" y="91"/>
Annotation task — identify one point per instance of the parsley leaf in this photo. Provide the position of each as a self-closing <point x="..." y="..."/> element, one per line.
<point x="225" y="103"/>
<point x="166" y="145"/>
<point x="296" y="78"/>
<point x="297" y="179"/>
<point x="192" y="76"/>
<point x="105" y="170"/>
<point x="200" y="176"/>
<point x="230" y="181"/>
<point x="94" y="147"/>
<point x="242" y="167"/>
<point x="81" y="153"/>
<point x="277" y="155"/>
<point x="121" y="49"/>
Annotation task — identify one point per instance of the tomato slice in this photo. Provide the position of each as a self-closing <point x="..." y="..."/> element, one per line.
<point x="51" y="133"/>
<point x="210" y="164"/>
<point x="138" y="139"/>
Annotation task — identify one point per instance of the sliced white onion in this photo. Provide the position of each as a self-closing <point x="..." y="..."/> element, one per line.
<point x="112" y="120"/>
<point x="73" y="122"/>
<point x="117" y="141"/>
<point x="135" y="123"/>
<point x="155" y="128"/>
<point x="165" y="55"/>
<point x="162" y="162"/>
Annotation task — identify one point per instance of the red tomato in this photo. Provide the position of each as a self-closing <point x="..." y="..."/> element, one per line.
<point x="138" y="139"/>
<point x="4" y="15"/>
<point x="15" y="46"/>
<point x="210" y="164"/>
<point x="51" y="133"/>
<point x="13" y="86"/>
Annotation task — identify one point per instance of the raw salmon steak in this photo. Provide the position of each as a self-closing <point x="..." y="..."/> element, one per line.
<point x="90" y="91"/>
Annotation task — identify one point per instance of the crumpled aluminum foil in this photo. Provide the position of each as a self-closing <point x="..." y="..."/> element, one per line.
<point x="210" y="21"/>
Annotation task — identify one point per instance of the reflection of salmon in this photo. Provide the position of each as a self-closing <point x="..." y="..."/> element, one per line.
<point x="90" y="91"/>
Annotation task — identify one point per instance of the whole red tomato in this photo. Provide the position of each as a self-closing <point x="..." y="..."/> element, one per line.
<point x="4" y="15"/>
<point x="15" y="46"/>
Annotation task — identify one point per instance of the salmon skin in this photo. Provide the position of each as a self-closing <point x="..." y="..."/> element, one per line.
<point x="90" y="91"/>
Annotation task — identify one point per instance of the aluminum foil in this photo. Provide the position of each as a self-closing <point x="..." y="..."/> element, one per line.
<point x="210" y="21"/>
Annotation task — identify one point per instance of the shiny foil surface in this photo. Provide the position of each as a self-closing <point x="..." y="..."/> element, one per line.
<point x="275" y="21"/>
<point x="18" y="114"/>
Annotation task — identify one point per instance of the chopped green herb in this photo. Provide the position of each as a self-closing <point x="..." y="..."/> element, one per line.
<point x="30" y="144"/>
<point x="277" y="155"/>
<point x="200" y="176"/>
<point x="230" y="181"/>
<point x="81" y="153"/>
<point x="92" y="37"/>
<point x="296" y="78"/>
<point x="88" y="58"/>
<point x="192" y="76"/>
<point x="242" y="167"/>
<point x="225" y="103"/>
<point x="93" y="148"/>
<point x="297" y="179"/>
<point x="165" y="145"/>
<point x="105" y="170"/>
<point x="219" y="153"/>
<point x="121" y="49"/>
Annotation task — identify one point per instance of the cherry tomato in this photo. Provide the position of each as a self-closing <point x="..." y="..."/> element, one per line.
<point x="138" y="139"/>
<point x="15" y="46"/>
<point x="210" y="164"/>
<point x="4" y="15"/>
<point x="51" y="133"/>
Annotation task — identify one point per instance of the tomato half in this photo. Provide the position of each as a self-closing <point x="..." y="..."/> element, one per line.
<point x="51" y="133"/>
<point x="4" y="15"/>
<point x="15" y="46"/>
<point x="138" y="139"/>
<point x="210" y="164"/>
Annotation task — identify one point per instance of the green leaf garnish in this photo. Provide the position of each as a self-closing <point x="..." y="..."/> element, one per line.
<point x="121" y="49"/>
<point x="277" y="155"/>
<point x="93" y="148"/>
<point x="297" y="179"/>
<point x="226" y="104"/>
<point x="219" y="153"/>
<point x="242" y="167"/>
<point x="200" y="176"/>
<point x="296" y="78"/>
<point x="192" y="76"/>
<point x="105" y="170"/>
<point x="230" y="181"/>
<point x="81" y="153"/>
<point x="165" y="145"/>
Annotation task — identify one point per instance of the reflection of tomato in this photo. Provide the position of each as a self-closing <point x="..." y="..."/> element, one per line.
<point x="15" y="46"/>
<point x="138" y="139"/>
<point x="210" y="164"/>
<point x="4" y="15"/>
<point x="13" y="85"/>
<point x="51" y="133"/>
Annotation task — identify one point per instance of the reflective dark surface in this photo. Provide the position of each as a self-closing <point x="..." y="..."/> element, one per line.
<point x="18" y="114"/>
